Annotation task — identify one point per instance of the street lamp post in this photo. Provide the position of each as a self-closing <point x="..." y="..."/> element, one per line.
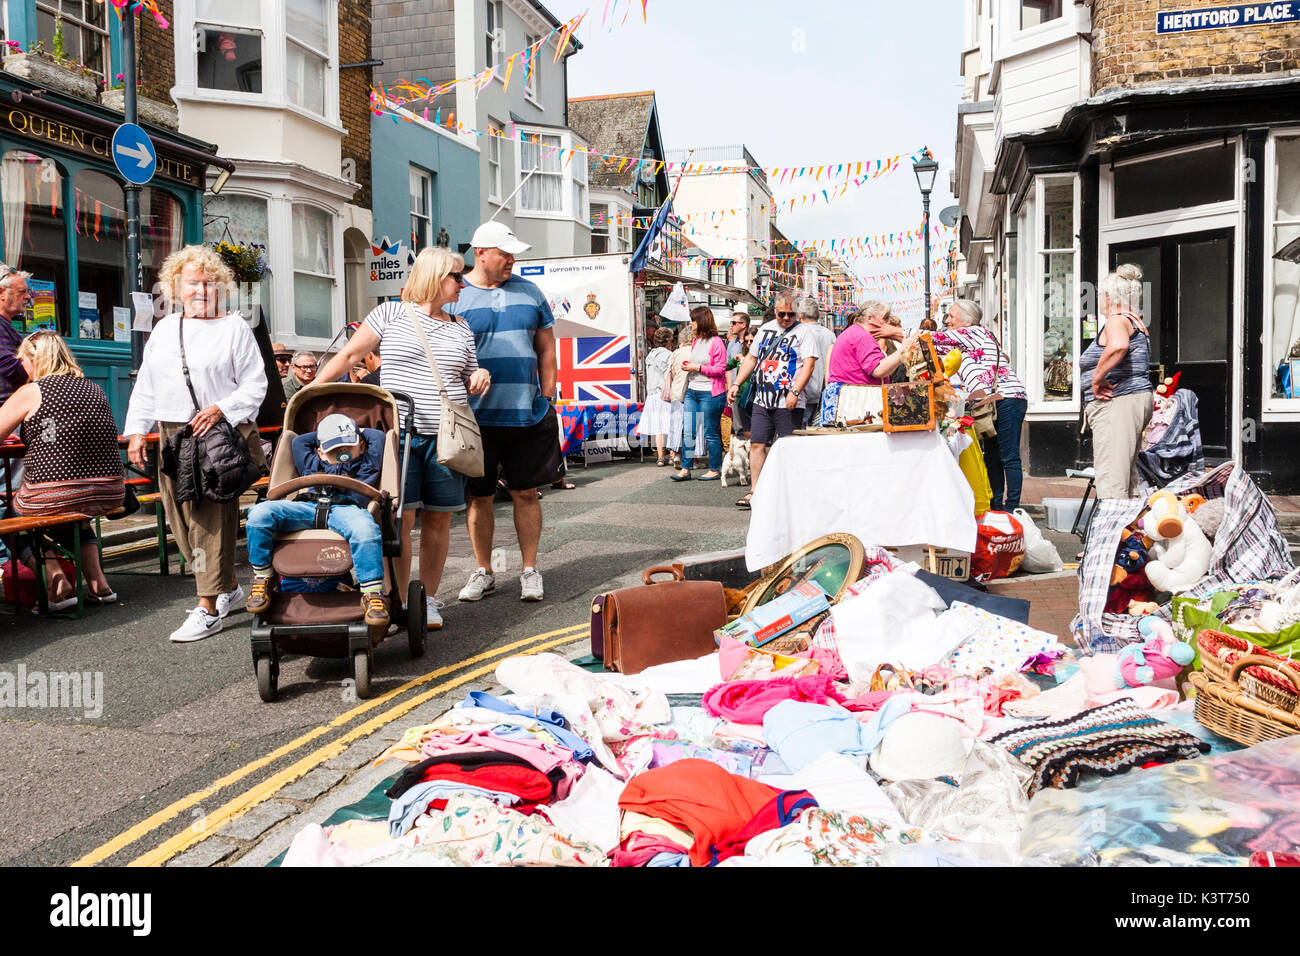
<point x="926" y="168"/>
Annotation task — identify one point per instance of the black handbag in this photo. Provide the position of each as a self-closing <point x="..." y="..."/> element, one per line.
<point x="224" y="467"/>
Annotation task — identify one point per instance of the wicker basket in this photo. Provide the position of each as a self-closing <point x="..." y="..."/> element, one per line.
<point x="1220" y="651"/>
<point x="1230" y="712"/>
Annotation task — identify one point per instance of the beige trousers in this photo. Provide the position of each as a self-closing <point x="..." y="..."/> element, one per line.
<point x="206" y="531"/>
<point x="1117" y="427"/>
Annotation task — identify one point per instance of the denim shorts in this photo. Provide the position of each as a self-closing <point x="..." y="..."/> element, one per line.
<point x="430" y="485"/>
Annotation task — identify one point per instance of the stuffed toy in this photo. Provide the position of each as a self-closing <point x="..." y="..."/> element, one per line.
<point x="1158" y="657"/>
<point x="1180" y="552"/>
<point x="1128" y="578"/>
<point x="1208" y="515"/>
<point x="1163" y="412"/>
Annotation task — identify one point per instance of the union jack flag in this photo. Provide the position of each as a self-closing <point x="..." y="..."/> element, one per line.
<point x="595" y="369"/>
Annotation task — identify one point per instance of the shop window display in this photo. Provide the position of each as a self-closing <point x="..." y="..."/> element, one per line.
<point x="1286" y="275"/>
<point x="100" y="213"/>
<point x="35" y="236"/>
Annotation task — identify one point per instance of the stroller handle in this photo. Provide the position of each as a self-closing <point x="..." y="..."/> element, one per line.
<point x="403" y="399"/>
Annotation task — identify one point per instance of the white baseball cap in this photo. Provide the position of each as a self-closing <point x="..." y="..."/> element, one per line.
<point x="497" y="235"/>
<point x="336" y="431"/>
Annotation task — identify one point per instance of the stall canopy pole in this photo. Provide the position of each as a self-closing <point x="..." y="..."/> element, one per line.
<point x="132" y="190"/>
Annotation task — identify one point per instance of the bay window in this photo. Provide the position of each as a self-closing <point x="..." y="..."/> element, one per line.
<point x="228" y="45"/>
<point x="307" y="53"/>
<point x="268" y="52"/>
<point x="557" y="188"/>
<point x="543" y="191"/>
<point x="1283" y="299"/>
<point x="600" y="229"/>
<point x="1035" y="13"/>
<point x="313" y="271"/>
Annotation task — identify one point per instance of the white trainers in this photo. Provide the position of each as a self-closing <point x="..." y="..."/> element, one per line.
<point x="230" y="600"/>
<point x="198" y="625"/>
<point x="432" y="617"/>
<point x="530" y="585"/>
<point x="481" y="583"/>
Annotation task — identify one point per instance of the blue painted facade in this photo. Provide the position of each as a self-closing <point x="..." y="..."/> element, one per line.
<point x="452" y="164"/>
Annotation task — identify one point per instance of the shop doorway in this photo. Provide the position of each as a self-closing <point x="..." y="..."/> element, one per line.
<point x="1188" y="308"/>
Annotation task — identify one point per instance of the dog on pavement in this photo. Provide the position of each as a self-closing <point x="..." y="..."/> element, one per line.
<point x="736" y="462"/>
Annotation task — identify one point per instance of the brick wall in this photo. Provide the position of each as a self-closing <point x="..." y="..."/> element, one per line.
<point x="354" y="91"/>
<point x="156" y="55"/>
<point x="414" y="38"/>
<point x="1127" y="51"/>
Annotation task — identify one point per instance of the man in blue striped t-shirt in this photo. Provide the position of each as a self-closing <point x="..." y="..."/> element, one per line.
<point x="515" y="338"/>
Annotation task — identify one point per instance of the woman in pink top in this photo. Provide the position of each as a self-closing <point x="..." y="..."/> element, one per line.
<point x="857" y="358"/>
<point x="706" y="394"/>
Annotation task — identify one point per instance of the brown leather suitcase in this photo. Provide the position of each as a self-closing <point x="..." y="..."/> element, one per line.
<point x="660" y="622"/>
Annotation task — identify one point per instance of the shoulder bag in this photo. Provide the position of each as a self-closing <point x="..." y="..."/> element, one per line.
<point x="986" y="413"/>
<point x="460" y="444"/>
<point x="225" y="466"/>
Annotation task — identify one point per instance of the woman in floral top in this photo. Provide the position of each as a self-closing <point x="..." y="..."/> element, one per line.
<point x="984" y="368"/>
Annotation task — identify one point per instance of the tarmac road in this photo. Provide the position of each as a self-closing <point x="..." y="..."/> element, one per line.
<point x="128" y="774"/>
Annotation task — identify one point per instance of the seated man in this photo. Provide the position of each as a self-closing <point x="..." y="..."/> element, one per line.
<point x="337" y="447"/>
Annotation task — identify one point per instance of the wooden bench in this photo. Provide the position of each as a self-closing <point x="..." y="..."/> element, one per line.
<point x="37" y="528"/>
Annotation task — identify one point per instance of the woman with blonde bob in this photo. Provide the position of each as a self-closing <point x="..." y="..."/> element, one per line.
<point x="390" y="329"/>
<point x="71" y="462"/>
<point x="229" y="382"/>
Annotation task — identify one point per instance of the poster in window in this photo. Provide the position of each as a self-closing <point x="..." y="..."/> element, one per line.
<point x="43" y="304"/>
<point x="88" y="315"/>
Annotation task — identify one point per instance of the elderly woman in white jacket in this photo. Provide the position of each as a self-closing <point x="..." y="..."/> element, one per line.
<point x="229" y="380"/>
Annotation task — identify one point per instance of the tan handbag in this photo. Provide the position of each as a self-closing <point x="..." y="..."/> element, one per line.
<point x="660" y="622"/>
<point x="986" y="414"/>
<point x="460" y="444"/>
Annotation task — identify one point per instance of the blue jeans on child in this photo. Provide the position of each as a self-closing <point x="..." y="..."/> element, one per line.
<point x="703" y="409"/>
<point x="358" y="528"/>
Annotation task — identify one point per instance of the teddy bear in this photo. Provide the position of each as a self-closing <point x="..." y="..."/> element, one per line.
<point x="1180" y="553"/>
<point x="1128" y="579"/>
<point x="1159" y="656"/>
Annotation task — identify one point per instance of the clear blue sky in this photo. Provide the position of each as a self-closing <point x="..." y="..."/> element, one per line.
<point x="872" y="79"/>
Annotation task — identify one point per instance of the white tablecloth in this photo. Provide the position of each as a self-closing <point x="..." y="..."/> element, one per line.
<point x="897" y="489"/>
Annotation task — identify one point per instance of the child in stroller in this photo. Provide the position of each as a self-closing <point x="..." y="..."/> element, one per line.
<point x="337" y="447"/>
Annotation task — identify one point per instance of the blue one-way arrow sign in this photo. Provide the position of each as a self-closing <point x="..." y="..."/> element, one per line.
<point x="133" y="153"/>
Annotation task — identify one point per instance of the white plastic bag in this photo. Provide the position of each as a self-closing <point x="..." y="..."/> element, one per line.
<point x="1040" y="554"/>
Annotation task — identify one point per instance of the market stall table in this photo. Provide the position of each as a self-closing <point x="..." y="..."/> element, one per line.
<point x="892" y="490"/>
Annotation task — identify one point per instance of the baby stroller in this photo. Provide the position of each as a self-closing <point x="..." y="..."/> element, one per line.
<point x="330" y="623"/>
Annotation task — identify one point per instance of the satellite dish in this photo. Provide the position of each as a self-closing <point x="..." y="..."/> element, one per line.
<point x="950" y="216"/>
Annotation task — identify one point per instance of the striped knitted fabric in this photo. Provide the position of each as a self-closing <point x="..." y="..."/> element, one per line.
<point x="1107" y="740"/>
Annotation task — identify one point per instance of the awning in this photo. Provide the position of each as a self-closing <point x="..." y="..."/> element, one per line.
<point x="729" y="292"/>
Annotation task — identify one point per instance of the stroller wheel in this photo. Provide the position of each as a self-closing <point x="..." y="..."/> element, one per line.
<point x="417" y="624"/>
<point x="361" y="673"/>
<point x="267" y="678"/>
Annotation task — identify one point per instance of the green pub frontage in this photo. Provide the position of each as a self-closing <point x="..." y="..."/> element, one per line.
<point x="64" y="221"/>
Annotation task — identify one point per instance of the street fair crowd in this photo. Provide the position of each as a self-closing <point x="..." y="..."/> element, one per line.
<point x="847" y="706"/>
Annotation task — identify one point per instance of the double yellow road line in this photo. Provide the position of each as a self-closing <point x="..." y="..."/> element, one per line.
<point x="241" y="804"/>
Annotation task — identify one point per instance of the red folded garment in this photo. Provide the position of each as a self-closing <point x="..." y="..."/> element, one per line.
<point x="780" y="811"/>
<point x="699" y="797"/>
<point x="527" y="783"/>
<point x="746" y="701"/>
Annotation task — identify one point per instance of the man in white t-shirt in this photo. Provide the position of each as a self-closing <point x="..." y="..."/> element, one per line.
<point x="822" y="338"/>
<point x="781" y="360"/>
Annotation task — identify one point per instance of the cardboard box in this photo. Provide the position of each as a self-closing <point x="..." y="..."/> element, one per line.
<point x="776" y="617"/>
